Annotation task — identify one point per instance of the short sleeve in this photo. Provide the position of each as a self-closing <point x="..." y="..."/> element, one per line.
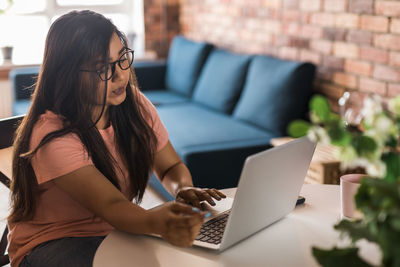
<point x="60" y="156"/>
<point x="155" y="122"/>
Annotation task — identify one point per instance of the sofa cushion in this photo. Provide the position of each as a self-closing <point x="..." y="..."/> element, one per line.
<point x="184" y="63"/>
<point x="221" y="80"/>
<point x="21" y="107"/>
<point x="193" y="127"/>
<point x="165" y="97"/>
<point x="275" y="93"/>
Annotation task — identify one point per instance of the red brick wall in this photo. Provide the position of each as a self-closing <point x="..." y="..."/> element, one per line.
<point x="161" y="20"/>
<point x="355" y="43"/>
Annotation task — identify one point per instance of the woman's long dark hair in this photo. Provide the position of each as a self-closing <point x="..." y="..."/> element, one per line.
<point x="74" y="39"/>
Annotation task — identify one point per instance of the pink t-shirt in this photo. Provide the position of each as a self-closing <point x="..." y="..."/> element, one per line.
<point x="57" y="214"/>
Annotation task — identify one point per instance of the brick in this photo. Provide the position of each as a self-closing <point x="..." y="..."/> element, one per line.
<point x="361" y="6"/>
<point x="359" y="37"/>
<point x="290" y="15"/>
<point x="290" y="53"/>
<point x="335" y="5"/>
<point x="393" y="89"/>
<point x="374" y="23"/>
<point x="322" y="46"/>
<point x="305" y="17"/>
<point x="290" y="4"/>
<point x="334" y="34"/>
<point x="386" y="73"/>
<point x="324" y="73"/>
<point x="333" y="63"/>
<point x="394" y="59"/>
<point x="310" y="31"/>
<point x="292" y="28"/>
<point x="270" y="26"/>
<point x="358" y="67"/>
<point x="310" y="5"/>
<point x="275" y="4"/>
<point x="281" y="40"/>
<point x="329" y="89"/>
<point x="387" y="8"/>
<point x="395" y="26"/>
<point x="344" y="79"/>
<point x="374" y="54"/>
<point x="310" y="56"/>
<point x="347" y="20"/>
<point x="372" y="86"/>
<point x="345" y="50"/>
<point x="388" y="41"/>
<point x="323" y="19"/>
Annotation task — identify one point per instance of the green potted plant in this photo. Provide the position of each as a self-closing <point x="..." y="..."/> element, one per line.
<point x="374" y="145"/>
<point x="6" y="49"/>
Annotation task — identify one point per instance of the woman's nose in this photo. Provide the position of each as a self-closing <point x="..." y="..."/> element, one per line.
<point x="119" y="73"/>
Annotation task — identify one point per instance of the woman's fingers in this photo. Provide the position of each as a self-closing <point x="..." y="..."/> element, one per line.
<point x="204" y="195"/>
<point x="214" y="194"/>
<point x="178" y="207"/>
<point x="183" y="225"/>
<point x="220" y="193"/>
<point x="194" y="196"/>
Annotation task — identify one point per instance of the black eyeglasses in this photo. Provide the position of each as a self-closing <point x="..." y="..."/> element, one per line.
<point x="124" y="62"/>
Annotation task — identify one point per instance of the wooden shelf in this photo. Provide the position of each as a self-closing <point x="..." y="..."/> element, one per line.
<point x="6" y="67"/>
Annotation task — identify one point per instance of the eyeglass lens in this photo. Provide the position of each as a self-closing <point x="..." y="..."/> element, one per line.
<point x="124" y="62"/>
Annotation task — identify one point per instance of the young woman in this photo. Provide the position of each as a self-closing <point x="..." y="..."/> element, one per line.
<point x="85" y="150"/>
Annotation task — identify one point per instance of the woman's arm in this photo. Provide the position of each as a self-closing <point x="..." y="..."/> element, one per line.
<point x="170" y="170"/>
<point x="175" y="222"/>
<point x="177" y="179"/>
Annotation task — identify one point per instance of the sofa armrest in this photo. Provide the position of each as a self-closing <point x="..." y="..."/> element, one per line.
<point x="219" y="168"/>
<point x="151" y="74"/>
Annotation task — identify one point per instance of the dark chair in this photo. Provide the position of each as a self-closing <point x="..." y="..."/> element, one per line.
<point x="7" y="130"/>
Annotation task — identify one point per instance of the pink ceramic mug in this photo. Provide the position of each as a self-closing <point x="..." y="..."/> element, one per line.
<point x="349" y="185"/>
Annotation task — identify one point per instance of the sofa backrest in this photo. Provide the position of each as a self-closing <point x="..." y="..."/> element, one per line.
<point x="221" y="80"/>
<point x="23" y="81"/>
<point x="184" y="63"/>
<point x="275" y="92"/>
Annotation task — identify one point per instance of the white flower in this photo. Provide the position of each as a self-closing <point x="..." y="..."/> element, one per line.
<point x="394" y="105"/>
<point x="376" y="169"/>
<point x="382" y="129"/>
<point x="318" y="134"/>
<point x="357" y="162"/>
<point x="346" y="154"/>
<point x="372" y="107"/>
<point x="314" y="118"/>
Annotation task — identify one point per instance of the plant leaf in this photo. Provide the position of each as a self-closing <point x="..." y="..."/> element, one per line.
<point x="392" y="161"/>
<point x="320" y="106"/>
<point x="356" y="230"/>
<point x="298" y="128"/>
<point x="339" y="257"/>
<point x="364" y="145"/>
<point x="339" y="136"/>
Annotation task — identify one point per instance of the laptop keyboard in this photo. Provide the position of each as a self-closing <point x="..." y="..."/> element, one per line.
<point x="213" y="230"/>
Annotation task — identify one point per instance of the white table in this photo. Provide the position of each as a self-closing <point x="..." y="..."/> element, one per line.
<point x="286" y="243"/>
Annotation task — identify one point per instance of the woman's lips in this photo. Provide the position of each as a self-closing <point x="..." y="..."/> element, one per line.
<point x="119" y="91"/>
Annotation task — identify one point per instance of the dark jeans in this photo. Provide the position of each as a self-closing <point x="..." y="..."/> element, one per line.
<point x="69" y="251"/>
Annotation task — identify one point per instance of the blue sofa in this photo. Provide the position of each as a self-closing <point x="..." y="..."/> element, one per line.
<point x="219" y="107"/>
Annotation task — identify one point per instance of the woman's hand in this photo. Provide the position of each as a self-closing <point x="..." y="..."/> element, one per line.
<point x="193" y="196"/>
<point x="177" y="223"/>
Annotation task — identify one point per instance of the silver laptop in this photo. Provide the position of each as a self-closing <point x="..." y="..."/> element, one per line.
<point x="268" y="189"/>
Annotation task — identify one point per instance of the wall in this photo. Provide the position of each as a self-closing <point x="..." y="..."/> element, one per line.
<point x="355" y="43"/>
<point x="161" y="20"/>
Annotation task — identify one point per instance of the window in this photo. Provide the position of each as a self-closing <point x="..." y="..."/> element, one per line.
<point x="25" y="24"/>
